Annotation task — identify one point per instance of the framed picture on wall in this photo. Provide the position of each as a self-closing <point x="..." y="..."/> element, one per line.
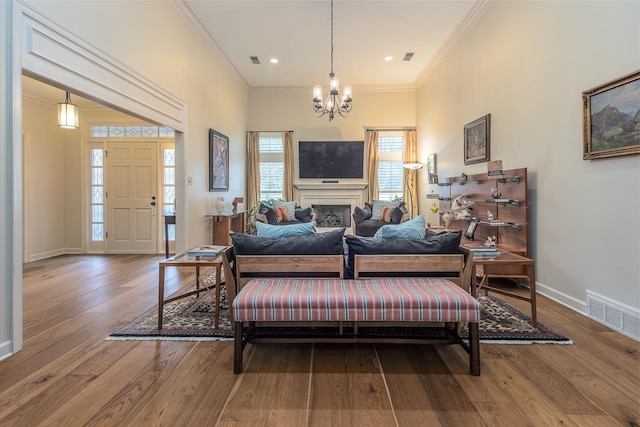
<point x="611" y="118"/>
<point x="477" y="136"/>
<point x="218" y="161"/>
<point x="432" y="169"/>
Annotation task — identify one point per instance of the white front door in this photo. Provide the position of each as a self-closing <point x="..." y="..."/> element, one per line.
<point x="132" y="200"/>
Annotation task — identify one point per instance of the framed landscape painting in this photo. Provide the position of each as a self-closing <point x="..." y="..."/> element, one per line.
<point x="218" y="161"/>
<point x="611" y="118"/>
<point x="477" y="136"/>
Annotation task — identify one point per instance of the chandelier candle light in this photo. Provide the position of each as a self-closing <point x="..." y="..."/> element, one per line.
<point x="333" y="104"/>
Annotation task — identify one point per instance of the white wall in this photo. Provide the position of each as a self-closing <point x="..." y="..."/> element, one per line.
<point x="155" y="41"/>
<point x="527" y="64"/>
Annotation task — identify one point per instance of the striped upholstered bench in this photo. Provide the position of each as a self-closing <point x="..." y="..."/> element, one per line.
<point x="390" y="301"/>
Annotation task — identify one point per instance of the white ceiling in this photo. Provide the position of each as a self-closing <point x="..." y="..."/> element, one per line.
<point x="297" y="33"/>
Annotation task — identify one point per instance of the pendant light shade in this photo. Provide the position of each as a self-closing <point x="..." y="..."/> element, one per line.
<point x="68" y="114"/>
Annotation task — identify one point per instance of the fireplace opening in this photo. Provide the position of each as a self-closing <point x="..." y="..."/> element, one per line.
<point x="332" y="215"/>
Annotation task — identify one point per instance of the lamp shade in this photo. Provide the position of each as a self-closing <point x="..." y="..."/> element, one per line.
<point x="413" y="166"/>
<point x="68" y="114"/>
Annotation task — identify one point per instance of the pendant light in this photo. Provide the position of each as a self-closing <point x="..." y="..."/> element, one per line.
<point x="67" y="114"/>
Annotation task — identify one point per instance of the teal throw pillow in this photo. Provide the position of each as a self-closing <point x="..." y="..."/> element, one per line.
<point x="412" y="229"/>
<point x="378" y="205"/>
<point x="291" y="207"/>
<point x="279" y="231"/>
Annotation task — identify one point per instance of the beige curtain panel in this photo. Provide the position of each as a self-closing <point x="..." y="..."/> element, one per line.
<point x="372" y="144"/>
<point x="410" y="155"/>
<point x="253" y="169"/>
<point x="287" y="185"/>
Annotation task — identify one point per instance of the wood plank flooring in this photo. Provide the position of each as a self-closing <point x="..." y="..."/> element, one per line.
<point x="68" y="375"/>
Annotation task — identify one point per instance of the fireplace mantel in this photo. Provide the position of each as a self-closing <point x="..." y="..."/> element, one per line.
<point x="331" y="186"/>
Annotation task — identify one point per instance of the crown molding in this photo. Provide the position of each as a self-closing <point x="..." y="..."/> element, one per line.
<point x="464" y="26"/>
<point x="356" y="89"/>
<point x="196" y="26"/>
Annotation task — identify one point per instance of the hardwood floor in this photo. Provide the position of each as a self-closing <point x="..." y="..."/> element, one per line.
<point x="68" y="375"/>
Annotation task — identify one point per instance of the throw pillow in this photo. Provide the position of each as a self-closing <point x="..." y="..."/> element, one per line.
<point x="291" y="207"/>
<point x="385" y="213"/>
<point x="445" y="243"/>
<point x="398" y="213"/>
<point x="279" y="231"/>
<point x="361" y="214"/>
<point x="303" y="215"/>
<point x="378" y="205"/>
<point x="281" y="214"/>
<point x="412" y="229"/>
<point x="329" y="243"/>
<point x="269" y="213"/>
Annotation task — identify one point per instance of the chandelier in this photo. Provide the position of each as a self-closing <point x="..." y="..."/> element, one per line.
<point x="333" y="104"/>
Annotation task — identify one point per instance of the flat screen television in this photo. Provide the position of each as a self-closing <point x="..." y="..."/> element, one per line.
<point x="331" y="159"/>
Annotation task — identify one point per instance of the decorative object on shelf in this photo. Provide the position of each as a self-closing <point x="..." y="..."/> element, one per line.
<point x="495" y="194"/>
<point x="446" y="219"/>
<point x="434" y="208"/>
<point x="220" y="205"/>
<point x="491" y="241"/>
<point x="477" y="136"/>
<point x="471" y="228"/>
<point x="432" y="169"/>
<point x="494" y="169"/>
<point x="489" y="215"/>
<point x="333" y="105"/>
<point x="464" y="179"/>
<point x="218" y="161"/>
<point x="68" y="114"/>
<point x="461" y="203"/>
<point x="610" y="121"/>
<point x="235" y="202"/>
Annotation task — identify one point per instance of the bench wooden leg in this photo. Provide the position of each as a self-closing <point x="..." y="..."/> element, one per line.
<point x="237" y="348"/>
<point x="474" y="344"/>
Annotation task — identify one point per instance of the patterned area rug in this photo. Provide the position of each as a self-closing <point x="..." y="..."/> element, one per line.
<point x="191" y="319"/>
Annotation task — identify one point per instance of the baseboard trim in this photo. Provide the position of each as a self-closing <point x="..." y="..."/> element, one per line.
<point x="6" y="349"/>
<point x="47" y="254"/>
<point x="562" y="298"/>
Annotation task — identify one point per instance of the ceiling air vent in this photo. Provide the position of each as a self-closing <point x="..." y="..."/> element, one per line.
<point x="254" y="59"/>
<point x="408" y="56"/>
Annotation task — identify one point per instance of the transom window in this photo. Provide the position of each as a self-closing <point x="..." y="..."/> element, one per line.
<point x="131" y="131"/>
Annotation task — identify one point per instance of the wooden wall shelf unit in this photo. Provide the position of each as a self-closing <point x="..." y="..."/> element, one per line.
<point x="511" y="209"/>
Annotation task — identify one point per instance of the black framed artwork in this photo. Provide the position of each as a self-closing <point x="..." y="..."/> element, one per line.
<point x="218" y="161"/>
<point x="477" y="137"/>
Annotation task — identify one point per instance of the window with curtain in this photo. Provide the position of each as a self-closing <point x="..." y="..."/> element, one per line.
<point x="271" y="166"/>
<point x="390" y="170"/>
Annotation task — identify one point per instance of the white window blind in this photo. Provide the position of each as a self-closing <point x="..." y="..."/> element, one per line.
<point x="271" y="166"/>
<point x="390" y="170"/>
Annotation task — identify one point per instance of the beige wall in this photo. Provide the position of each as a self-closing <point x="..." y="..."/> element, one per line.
<point x="284" y="109"/>
<point x="527" y="64"/>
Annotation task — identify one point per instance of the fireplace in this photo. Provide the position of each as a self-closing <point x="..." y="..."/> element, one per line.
<point x="332" y="216"/>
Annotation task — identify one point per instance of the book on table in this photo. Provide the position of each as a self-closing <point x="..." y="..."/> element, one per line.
<point x="206" y="251"/>
<point x="479" y="248"/>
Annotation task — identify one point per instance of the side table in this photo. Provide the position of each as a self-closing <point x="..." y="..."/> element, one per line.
<point x="507" y="258"/>
<point x="183" y="260"/>
<point x="223" y="224"/>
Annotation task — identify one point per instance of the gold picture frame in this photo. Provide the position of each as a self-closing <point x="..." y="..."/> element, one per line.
<point x="611" y="118"/>
<point x="477" y="138"/>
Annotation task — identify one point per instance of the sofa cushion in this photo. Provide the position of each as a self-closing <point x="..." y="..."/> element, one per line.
<point x="398" y="213"/>
<point x="303" y="214"/>
<point x="329" y="243"/>
<point x="282" y="214"/>
<point x="446" y="243"/>
<point x="411" y="229"/>
<point x="279" y="231"/>
<point x="368" y="227"/>
<point x="291" y="207"/>
<point x="361" y="214"/>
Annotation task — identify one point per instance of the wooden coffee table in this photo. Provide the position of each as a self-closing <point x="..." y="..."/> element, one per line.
<point x="503" y="258"/>
<point x="184" y="260"/>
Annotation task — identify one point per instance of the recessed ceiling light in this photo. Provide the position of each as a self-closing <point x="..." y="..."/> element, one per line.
<point x="274" y="60"/>
<point x="388" y="58"/>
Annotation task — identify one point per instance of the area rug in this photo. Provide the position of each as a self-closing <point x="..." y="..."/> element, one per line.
<point x="191" y="319"/>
